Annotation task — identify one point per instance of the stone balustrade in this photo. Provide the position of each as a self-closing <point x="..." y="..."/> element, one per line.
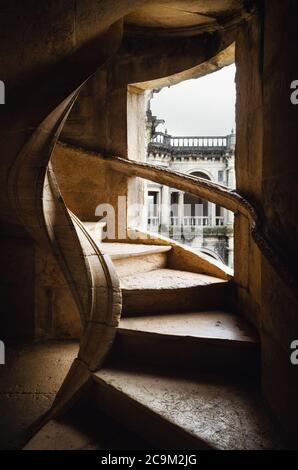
<point x="201" y="143"/>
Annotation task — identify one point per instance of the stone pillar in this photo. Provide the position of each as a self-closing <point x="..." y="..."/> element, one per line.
<point x="228" y="217"/>
<point x="231" y="180"/>
<point x="231" y="183"/>
<point x="180" y="208"/>
<point x="230" y="251"/>
<point x="212" y="213"/>
<point x="165" y="207"/>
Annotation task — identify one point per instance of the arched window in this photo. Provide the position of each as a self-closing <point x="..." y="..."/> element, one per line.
<point x="195" y="207"/>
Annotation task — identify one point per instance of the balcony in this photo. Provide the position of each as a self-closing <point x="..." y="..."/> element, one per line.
<point x="192" y="143"/>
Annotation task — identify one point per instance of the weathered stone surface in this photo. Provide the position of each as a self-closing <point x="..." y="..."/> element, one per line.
<point x="190" y="14"/>
<point x="60" y="436"/>
<point x="85" y="186"/>
<point x="170" y="279"/>
<point x="56" y="311"/>
<point x="217" y="341"/>
<point x="85" y="428"/>
<point x="140" y="264"/>
<point x="28" y="383"/>
<point x="182" y="257"/>
<point x="167" y="290"/>
<point x="222" y="415"/>
<point x="130" y="250"/>
<point x="248" y="160"/>
<point x="266" y="145"/>
<point x="212" y="325"/>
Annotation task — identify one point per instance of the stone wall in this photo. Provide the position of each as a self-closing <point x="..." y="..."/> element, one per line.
<point x="267" y="173"/>
<point x="279" y="199"/>
<point x="248" y="163"/>
<point x="17" y="282"/>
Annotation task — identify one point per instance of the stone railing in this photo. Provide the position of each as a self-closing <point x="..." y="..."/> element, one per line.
<point x="197" y="221"/>
<point x="201" y="143"/>
<point x="187" y="221"/>
<point x="153" y="221"/>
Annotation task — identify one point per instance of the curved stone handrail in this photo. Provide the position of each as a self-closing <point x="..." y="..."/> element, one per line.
<point x="37" y="201"/>
<point x="33" y="194"/>
<point x="217" y="194"/>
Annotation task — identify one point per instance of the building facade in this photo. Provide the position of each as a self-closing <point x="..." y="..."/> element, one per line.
<point x="202" y="225"/>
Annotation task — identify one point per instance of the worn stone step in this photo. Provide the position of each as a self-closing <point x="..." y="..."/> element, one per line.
<point x="206" y="340"/>
<point x="130" y="258"/>
<point x="190" y="412"/>
<point x="84" y="427"/>
<point x="169" y="290"/>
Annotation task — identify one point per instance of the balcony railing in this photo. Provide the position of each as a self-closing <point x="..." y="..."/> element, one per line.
<point x="174" y="221"/>
<point x="153" y="221"/>
<point x="196" y="221"/>
<point x="219" y="220"/>
<point x="194" y="142"/>
<point x="201" y="142"/>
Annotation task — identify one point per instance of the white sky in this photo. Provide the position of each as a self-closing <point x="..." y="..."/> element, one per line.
<point x="204" y="106"/>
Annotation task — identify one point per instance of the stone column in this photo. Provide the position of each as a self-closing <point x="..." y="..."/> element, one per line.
<point x="180" y="208"/>
<point x="165" y="207"/>
<point x="228" y="217"/>
<point x="212" y="213"/>
<point x="231" y="182"/>
<point x="230" y="250"/>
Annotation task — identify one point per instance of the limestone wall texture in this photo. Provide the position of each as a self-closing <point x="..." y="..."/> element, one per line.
<point x="248" y="163"/>
<point x="267" y="173"/>
<point x="279" y="199"/>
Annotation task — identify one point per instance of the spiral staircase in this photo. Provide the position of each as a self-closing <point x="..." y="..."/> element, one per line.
<point x="164" y="349"/>
<point x="182" y="370"/>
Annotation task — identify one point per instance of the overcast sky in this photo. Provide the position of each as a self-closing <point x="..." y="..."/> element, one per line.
<point x="204" y="106"/>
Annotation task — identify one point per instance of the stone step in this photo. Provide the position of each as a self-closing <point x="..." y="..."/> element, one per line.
<point x="208" y="340"/>
<point x="186" y="413"/>
<point x="84" y="427"/>
<point x="60" y="435"/>
<point x="169" y="290"/>
<point x="130" y="258"/>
